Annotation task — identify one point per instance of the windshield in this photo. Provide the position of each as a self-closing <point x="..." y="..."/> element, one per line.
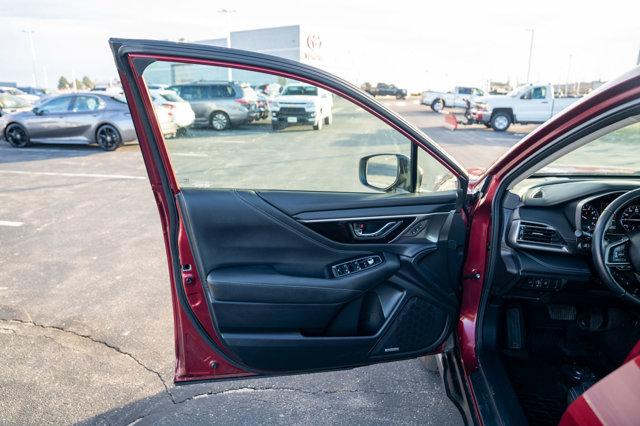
<point x="300" y="90"/>
<point x="515" y="91"/>
<point x="615" y="153"/>
<point x="12" y="102"/>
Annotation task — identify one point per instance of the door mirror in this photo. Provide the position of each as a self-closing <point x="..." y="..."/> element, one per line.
<point x="386" y="172"/>
<point x="38" y="111"/>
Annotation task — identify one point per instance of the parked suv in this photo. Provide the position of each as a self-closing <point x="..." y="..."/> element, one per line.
<point x="301" y="104"/>
<point x="218" y="104"/>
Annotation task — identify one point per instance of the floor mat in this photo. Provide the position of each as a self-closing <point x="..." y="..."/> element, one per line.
<point x="540" y="390"/>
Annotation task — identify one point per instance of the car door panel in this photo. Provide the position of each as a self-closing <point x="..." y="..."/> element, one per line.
<point x="255" y="288"/>
<point x="270" y="286"/>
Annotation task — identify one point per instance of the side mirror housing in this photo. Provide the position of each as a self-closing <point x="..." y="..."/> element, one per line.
<point x="386" y="172"/>
<point x="37" y="111"/>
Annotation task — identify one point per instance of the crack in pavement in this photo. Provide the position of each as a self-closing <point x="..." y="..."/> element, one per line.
<point x="100" y="342"/>
<point x="248" y="389"/>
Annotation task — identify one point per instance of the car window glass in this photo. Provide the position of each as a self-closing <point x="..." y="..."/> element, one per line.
<point x="221" y="91"/>
<point x="300" y="90"/>
<point x="305" y="142"/>
<point x="539" y="93"/>
<point x="190" y="93"/>
<point x="465" y="91"/>
<point x="56" y="105"/>
<point x="86" y="103"/>
<point x="526" y="95"/>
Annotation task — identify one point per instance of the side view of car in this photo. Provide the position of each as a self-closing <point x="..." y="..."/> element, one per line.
<point x="524" y="105"/>
<point x="301" y="104"/>
<point x="453" y="99"/>
<point x="218" y="104"/>
<point x="82" y="118"/>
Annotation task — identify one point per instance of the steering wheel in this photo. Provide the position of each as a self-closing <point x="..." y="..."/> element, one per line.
<point x="618" y="262"/>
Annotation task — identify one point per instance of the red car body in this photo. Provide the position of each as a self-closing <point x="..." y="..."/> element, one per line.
<point x="614" y="400"/>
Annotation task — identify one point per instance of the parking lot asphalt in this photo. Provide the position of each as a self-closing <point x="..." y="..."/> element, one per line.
<point x="85" y="315"/>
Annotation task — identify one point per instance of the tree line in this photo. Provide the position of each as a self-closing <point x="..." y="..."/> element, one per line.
<point x="85" y="84"/>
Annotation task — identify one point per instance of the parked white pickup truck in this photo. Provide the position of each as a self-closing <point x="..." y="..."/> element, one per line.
<point x="525" y="105"/>
<point x="453" y="99"/>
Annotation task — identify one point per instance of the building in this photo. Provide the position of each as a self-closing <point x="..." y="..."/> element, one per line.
<point x="579" y="88"/>
<point x="290" y="42"/>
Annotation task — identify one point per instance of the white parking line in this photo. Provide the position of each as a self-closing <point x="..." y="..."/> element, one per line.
<point x="10" y="223"/>
<point x="188" y="154"/>
<point x="87" y="175"/>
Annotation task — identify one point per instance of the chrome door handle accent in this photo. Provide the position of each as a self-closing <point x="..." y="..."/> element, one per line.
<point x="385" y="230"/>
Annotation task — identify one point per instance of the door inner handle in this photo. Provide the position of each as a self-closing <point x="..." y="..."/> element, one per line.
<point x="360" y="231"/>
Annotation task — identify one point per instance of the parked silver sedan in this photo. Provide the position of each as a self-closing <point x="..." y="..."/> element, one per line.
<point x="79" y="118"/>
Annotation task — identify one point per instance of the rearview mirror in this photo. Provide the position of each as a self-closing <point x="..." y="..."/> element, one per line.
<point x="386" y="172"/>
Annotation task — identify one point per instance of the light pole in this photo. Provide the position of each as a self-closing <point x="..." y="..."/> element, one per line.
<point x="227" y="13"/>
<point x="568" y="75"/>
<point x="33" y="56"/>
<point x="530" y="54"/>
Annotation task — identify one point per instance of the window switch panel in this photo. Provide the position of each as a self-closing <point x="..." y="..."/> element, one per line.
<point x="356" y="265"/>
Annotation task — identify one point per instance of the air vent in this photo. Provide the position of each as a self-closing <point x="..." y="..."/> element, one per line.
<point x="538" y="194"/>
<point x="538" y="233"/>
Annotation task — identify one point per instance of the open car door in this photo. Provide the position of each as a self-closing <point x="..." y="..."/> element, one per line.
<point x="328" y="235"/>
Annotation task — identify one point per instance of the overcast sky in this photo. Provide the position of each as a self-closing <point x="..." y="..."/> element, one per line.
<point x="419" y="44"/>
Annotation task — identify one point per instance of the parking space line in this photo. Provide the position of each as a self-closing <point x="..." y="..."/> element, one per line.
<point x="10" y="223"/>
<point x="188" y="154"/>
<point x="87" y="175"/>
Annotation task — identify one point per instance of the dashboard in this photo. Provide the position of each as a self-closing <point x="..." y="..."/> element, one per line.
<point x="547" y="232"/>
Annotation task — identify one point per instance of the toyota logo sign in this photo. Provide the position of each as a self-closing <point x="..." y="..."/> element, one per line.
<point x="314" y="42"/>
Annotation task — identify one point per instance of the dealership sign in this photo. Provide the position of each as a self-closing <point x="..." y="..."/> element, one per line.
<point x="314" y="43"/>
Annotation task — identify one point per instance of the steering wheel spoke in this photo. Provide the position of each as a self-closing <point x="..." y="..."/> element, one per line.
<point x="616" y="254"/>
